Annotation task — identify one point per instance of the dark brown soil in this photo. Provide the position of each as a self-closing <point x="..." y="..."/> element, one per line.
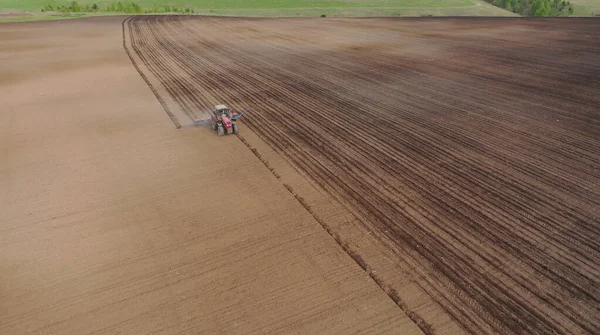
<point x="467" y="147"/>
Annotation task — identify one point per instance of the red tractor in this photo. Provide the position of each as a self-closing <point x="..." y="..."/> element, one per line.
<point x="223" y="120"/>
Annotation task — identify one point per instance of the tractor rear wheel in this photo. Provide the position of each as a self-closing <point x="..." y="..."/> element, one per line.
<point x="235" y="128"/>
<point x="221" y="131"/>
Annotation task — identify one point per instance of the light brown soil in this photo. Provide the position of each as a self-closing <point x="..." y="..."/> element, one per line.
<point x="113" y="221"/>
<point x="456" y="160"/>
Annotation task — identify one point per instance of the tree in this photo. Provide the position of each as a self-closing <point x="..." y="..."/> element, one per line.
<point x="541" y="8"/>
<point x="75" y="7"/>
<point x="515" y="5"/>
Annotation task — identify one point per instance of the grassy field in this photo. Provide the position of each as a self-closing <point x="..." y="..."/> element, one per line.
<point x="586" y="7"/>
<point x="270" y="8"/>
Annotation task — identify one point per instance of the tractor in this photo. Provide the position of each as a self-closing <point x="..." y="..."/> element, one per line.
<point x="222" y="119"/>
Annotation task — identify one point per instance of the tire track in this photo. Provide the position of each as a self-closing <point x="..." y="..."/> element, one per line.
<point x="137" y="68"/>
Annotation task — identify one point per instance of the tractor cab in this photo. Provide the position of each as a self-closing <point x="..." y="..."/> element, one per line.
<point x="221" y="110"/>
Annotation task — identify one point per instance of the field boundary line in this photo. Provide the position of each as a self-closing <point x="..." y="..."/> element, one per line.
<point x="356" y="257"/>
<point x="152" y="88"/>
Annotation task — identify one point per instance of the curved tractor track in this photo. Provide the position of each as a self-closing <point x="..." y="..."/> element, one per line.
<point x="468" y="147"/>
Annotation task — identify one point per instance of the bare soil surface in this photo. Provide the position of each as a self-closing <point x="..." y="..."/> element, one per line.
<point x="455" y="160"/>
<point x="112" y="221"/>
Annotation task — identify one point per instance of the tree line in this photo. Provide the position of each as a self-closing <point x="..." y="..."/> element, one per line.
<point x="119" y="7"/>
<point x="535" y="7"/>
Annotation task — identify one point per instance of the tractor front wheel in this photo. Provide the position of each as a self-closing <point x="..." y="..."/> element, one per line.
<point x="235" y="128"/>
<point x="221" y="131"/>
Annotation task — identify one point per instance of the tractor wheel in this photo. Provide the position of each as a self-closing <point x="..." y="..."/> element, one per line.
<point x="235" y="129"/>
<point x="214" y="126"/>
<point x="221" y="131"/>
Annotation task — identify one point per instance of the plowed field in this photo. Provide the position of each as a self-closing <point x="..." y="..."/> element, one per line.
<point x="114" y="222"/>
<point x="468" y="149"/>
